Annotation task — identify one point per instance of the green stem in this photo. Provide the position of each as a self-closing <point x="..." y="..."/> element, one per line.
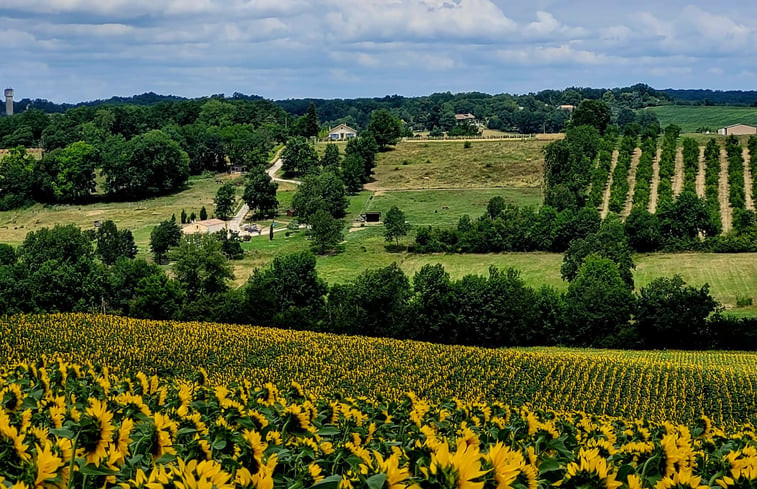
<point x="71" y="463"/>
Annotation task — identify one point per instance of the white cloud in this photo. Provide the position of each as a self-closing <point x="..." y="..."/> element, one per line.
<point x="716" y="27"/>
<point x="547" y="25"/>
<point x="551" y="55"/>
<point x="426" y="19"/>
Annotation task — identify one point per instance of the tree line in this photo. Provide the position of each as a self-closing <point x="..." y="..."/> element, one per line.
<point x="65" y="269"/>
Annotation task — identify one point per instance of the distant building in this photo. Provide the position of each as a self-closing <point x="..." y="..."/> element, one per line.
<point x="459" y="118"/>
<point x="342" y="132"/>
<point x="737" y="130"/>
<point x="8" y="101"/>
<point x="567" y="107"/>
<point x="207" y="226"/>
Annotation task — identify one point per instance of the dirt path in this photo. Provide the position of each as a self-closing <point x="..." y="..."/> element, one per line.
<point x="275" y="168"/>
<point x="748" y="197"/>
<point x="723" y="189"/>
<point x="631" y="181"/>
<point x="700" y="173"/>
<point x="606" y="197"/>
<point x="655" y="182"/>
<point x="678" y="175"/>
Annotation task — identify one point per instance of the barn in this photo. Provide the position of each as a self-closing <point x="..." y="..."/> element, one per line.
<point x="737" y="130"/>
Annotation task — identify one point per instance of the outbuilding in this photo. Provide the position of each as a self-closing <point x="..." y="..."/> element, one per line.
<point x="208" y="226"/>
<point x="737" y="130"/>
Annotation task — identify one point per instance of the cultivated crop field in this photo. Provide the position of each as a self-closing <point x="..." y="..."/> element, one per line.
<point x="677" y="386"/>
<point x="86" y="427"/>
<point x="692" y="117"/>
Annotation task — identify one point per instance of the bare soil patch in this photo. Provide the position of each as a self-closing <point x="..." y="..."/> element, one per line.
<point x="606" y="196"/>
<point x="631" y="181"/>
<point x="723" y="189"/>
<point x="655" y="182"/>
<point x="748" y="197"/>
<point x="701" y="173"/>
<point x="678" y="175"/>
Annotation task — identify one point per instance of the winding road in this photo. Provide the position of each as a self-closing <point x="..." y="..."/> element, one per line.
<point x="273" y="169"/>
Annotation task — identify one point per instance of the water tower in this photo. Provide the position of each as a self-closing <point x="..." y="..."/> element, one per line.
<point x="8" y="101"/>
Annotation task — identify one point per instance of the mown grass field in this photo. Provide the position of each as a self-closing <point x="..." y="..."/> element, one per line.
<point x="444" y="164"/>
<point x="692" y="117"/>
<point x="140" y="217"/>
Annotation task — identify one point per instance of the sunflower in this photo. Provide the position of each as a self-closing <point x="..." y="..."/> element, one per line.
<point x="162" y="443"/>
<point x="47" y="464"/>
<point x="122" y="440"/>
<point x="591" y="467"/>
<point x="96" y="431"/>
<point x="681" y="480"/>
<point x="201" y="475"/>
<point x="396" y="476"/>
<point x="9" y="435"/>
<point x="507" y="464"/>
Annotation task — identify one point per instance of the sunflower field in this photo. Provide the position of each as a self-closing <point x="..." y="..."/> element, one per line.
<point x="69" y="425"/>
<point x="659" y="386"/>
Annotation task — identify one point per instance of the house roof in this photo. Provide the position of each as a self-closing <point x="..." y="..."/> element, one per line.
<point x="210" y="222"/>
<point x="464" y="117"/>
<point x="342" y="127"/>
<point x="736" y="125"/>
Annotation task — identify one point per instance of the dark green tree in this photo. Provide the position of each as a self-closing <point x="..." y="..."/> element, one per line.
<point x="599" y="304"/>
<point x="322" y="191"/>
<point x="260" y="192"/>
<point x="495" y="206"/>
<point x="16" y="179"/>
<point x="310" y="125"/>
<point x="287" y="294"/>
<point x="376" y="303"/>
<point x="395" y="225"/>
<point x="353" y="173"/>
<point x="365" y="147"/>
<point x="325" y="231"/>
<point x="299" y="157"/>
<point x="67" y="174"/>
<point x="670" y="314"/>
<point x="224" y="201"/>
<point x="164" y="236"/>
<point x="151" y="163"/>
<point x="609" y="242"/>
<point x="203" y="214"/>
<point x="433" y="306"/>
<point x="112" y="243"/>
<point x="331" y="157"/>
<point x="385" y="127"/>
<point x="157" y="297"/>
<point x="200" y="266"/>
<point x="592" y="113"/>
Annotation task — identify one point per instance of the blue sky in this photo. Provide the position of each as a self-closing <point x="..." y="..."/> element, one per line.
<point x="74" y="50"/>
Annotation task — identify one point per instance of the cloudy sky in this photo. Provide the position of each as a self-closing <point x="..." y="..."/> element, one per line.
<point x="75" y="50"/>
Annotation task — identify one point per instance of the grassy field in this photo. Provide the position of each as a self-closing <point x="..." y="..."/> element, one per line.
<point x="692" y="117"/>
<point x="442" y="164"/>
<point x="140" y="216"/>
<point x="445" y="207"/>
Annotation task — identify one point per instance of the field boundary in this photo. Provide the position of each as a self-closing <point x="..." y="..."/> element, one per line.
<point x="678" y="176"/>
<point x="608" y="188"/>
<point x="631" y="181"/>
<point x="723" y="189"/>
<point x="748" y="197"/>
<point x="701" y="173"/>
<point x="655" y="185"/>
